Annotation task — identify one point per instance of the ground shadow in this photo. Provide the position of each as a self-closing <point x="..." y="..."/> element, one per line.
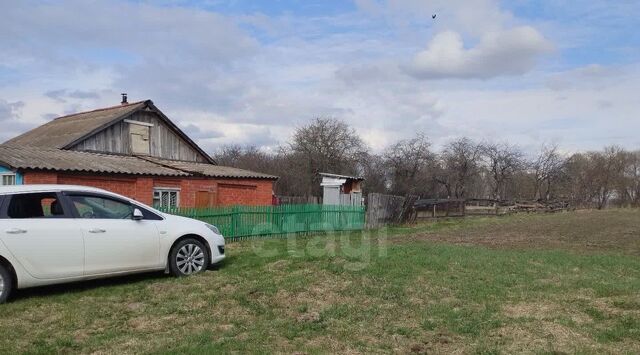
<point x="81" y="286"/>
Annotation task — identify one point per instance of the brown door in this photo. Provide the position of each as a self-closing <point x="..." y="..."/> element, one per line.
<point x="202" y="199"/>
<point x="205" y="199"/>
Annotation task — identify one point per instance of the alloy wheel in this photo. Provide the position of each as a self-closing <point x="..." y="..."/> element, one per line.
<point x="190" y="259"/>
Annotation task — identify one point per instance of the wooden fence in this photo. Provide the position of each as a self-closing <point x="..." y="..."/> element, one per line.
<point x="241" y="222"/>
<point x="384" y="209"/>
<point x="389" y="209"/>
<point x="437" y="208"/>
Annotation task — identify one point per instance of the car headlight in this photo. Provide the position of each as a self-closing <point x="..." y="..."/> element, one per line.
<point x="213" y="228"/>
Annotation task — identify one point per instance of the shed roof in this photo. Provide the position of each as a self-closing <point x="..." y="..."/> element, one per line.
<point x="341" y="176"/>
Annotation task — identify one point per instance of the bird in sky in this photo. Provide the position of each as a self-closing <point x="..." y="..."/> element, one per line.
<point x="433" y="16"/>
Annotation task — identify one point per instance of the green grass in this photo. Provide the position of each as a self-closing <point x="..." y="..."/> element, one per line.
<point x="435" y="288"/>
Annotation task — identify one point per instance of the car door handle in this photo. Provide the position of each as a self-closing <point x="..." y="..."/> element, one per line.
<point x="97" y="230"/>
<point x="16" y="231"/>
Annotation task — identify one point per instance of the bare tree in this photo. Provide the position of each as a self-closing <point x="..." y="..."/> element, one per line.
<point x="244" y="157"/>
<point x="608" y="170"/>
<point x="372" y="169"/>
<point x="502" y="161"/>
<point x="326" y="145"/>
<point x="547" y="169"/>
<point x="609" y="177"/>
<point x="458" y="165"/>
<point x="593" y="176"/>
<point x="408" y="162"/>
<point x="630" y="184"/>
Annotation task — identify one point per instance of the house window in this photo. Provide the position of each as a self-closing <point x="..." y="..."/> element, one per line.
<point x="8" y="179"/>
<point x="166" y="198"/>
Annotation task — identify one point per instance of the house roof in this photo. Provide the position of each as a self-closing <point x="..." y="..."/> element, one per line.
<point x="37" y="158"/>
<point x="64" y="132"/>
<point x="48" y="147"/>
<point x="209" y="170"/>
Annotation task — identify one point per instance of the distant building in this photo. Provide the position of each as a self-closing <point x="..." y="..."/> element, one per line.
<point x="132" y="149"/>
<point x="341" y="189"/>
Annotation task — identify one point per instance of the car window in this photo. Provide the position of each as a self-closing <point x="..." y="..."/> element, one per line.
<point x="36" y="205"/>
<point x="148" y="215"/>
<point x="101" y="207"/>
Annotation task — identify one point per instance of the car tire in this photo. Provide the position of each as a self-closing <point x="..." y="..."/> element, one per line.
<point x="6" y="284"/>
<point x="188" y="257"/>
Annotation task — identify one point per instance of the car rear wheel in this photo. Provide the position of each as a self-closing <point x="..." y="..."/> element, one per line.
<point x="188" y="257"/>
<point x="6" y="284"/>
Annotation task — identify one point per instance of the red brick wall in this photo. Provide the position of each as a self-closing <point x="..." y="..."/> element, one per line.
<point x="122" y="186"/>
<point x="39" y="177"/>
<point x="226" y="191"/>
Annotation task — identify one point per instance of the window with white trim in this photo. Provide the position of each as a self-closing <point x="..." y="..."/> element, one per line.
<point x="7" y="179"/>
<point x="166" y="198"/>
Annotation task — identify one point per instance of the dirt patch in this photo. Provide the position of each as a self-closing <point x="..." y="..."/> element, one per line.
<point x="531" y="310"/>
<point x="437" y="343"/>
<point x="278" y="265"/>
<point x="543" y="312"/>
<point x="309" y="317"/>
<point x="584" y="231"/>
<point x="135" y="306"/>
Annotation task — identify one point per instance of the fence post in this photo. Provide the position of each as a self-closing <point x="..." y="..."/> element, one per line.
<point x="234" y="220"/>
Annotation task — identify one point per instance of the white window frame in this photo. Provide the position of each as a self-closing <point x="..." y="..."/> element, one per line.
<point x="139" y="123"/>
<point x="14" y="175"/>
<point x="169" y="190"/>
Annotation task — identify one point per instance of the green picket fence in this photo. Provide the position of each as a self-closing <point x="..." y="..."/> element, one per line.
<point x="241" y="222"/>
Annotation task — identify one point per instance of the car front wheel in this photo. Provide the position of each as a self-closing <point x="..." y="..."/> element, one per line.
<point x="6" y="284"/>
<point x="188" y="257"/>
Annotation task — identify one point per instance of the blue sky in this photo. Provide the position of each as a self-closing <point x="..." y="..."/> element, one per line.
<point x="249" y="72"/>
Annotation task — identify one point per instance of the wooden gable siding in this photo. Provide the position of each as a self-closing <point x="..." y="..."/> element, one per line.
<point x="164" y="142"/>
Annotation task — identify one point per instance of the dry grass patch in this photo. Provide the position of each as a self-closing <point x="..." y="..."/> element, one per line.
<point x="416" y="296"/>
<point x="585" y="231"/>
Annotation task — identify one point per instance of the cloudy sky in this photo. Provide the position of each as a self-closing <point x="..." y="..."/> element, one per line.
<point x="249" y="72"/>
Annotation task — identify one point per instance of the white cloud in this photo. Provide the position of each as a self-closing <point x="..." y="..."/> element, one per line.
<point x="577" y="117"/>
<point x="593" y="76"/>
<point x="509" y="52"/>
<point x="252" y="79"/>
<point x="10" y="119"/>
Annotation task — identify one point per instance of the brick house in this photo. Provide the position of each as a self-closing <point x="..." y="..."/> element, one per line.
<point x="132" y="149"/>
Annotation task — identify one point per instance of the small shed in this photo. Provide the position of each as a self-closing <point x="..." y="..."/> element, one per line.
<point x="341" y="189"/>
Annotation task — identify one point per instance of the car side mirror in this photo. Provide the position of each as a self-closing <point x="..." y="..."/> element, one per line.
<point x="137" y="215"/>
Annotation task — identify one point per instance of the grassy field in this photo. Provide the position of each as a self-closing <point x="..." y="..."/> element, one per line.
<point x="563" y="283"/>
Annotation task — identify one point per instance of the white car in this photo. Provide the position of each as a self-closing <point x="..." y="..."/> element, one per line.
<point x="53" y="234"/>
